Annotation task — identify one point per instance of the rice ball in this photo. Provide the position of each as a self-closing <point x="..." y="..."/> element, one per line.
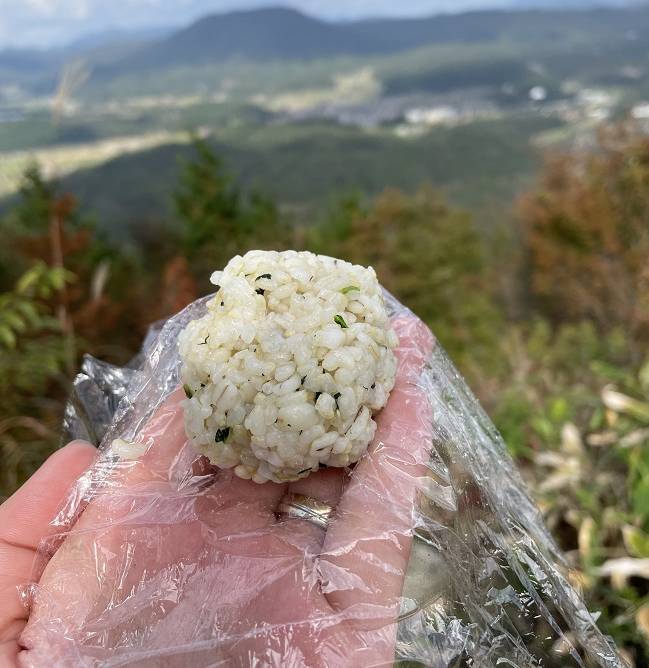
<point x="285" y="371"/>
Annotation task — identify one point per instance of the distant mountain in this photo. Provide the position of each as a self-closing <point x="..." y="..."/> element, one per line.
<point x="283" y="34"/>
<point x="39" y="70"/>
<point x="574" y="4"/>
<point x="558" y="4"/>
<point x="22" y="59"/>
<point x="112" y="38"/>
<point x="28" y="69"/>
<point x="254" y="35"/>
<point x="84" y="46"/>
<point x="276" y="34"/>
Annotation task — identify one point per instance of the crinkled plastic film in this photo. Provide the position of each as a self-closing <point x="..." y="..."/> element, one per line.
<point x="434" y="555"/>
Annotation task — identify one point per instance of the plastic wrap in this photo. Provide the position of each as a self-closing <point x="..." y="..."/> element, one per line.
<point x="433" y="554"/>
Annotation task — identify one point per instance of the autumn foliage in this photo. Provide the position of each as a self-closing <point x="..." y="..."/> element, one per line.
<point x="587" y="234"/>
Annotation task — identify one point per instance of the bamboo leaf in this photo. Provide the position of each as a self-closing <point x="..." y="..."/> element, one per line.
<point x="636" y="542"/>
<point x="30" y="312"/>
<point x="13" y="320"/>
<point x="29" y="279"/>
<point x="7" y="337"/>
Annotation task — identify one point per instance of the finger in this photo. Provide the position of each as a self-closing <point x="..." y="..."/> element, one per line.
<point x="25" y="516"/>
<point x="123" y="494"/>
<point x="167" y="449"/>
<point x="156" y="448"/>
<point x="164" y="437"/>
<point x="367" y="546"/>
<point x="111" y="483"/>
<point x="24" y="521"/>
<point x="232" y="504"/>
<point x="234" y="507"/>
<point x="325" y="485"/>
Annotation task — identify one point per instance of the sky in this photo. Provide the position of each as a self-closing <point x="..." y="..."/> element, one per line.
<point x="43" y="23"/>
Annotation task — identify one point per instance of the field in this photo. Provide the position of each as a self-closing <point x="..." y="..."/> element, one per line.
<point x="60" y="160"/>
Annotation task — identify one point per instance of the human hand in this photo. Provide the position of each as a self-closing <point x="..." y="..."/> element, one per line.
<point x="168" y="569"/>
<point x="24" y="522"/>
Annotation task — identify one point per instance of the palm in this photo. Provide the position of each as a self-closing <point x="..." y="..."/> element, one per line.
<point x="168" y="569"/>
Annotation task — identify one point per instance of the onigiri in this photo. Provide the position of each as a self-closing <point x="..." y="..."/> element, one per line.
<point x="285" y="371"/>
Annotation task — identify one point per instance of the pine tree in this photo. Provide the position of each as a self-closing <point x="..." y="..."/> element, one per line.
<point x="207" y="203"/>
<point x="32" y="213"/>
<point x="218" y="222"/>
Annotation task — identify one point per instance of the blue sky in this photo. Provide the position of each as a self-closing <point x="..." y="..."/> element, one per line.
<point x="46" y="22"/>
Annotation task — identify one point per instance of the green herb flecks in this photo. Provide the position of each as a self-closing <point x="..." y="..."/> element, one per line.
<point x="339" y="320"/>
<point x="221" y="434"/>
<point x="263" y="276"/>
<point x="350" y="288"/>
<point x="188" y="391"/>
<point x="259" y="291"/>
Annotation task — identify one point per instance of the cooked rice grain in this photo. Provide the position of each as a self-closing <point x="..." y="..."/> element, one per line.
<point x="285" y="371"/>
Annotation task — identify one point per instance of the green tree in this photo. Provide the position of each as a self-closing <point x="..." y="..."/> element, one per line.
<point x="430" y="256"/>
<point x="33" y="210"/>
<point x="30" y="215"/>
<point x="207" y="203"/>
<point x="327" y="235"/>
<point x="218" y="221"/>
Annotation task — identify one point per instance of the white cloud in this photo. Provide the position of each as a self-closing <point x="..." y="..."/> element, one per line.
<point x="81" y="9"/>
<point x="45" y="7"/>
<point x="75" y="9"/>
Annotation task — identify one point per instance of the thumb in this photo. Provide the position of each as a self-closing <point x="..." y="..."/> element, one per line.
<point x="24" y="521"/>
